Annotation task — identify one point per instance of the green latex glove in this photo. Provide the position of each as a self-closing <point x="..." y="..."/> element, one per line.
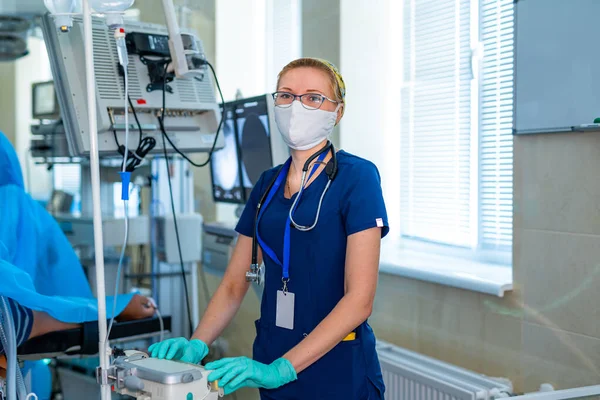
<point x="192" y="351"/>
<point x="239" y="372"/>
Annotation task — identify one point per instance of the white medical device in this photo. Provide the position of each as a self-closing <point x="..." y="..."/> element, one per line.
<point x="192" y="114"/>
<point x="146" y="378"/>
<point x="93" y="103"/>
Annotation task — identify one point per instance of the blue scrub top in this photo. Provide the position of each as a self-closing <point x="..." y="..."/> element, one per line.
<point x="353" y="203"/>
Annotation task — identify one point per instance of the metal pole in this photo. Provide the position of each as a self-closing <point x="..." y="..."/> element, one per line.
<point x="96" y="200"/>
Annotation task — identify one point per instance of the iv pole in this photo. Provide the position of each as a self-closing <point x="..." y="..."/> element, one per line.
<point x="181" y="70"/>
<point x="96" y="201"/>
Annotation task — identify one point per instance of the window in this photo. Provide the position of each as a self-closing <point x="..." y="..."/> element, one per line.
<point x="284" y="18"/>
<point x="254" y="40"/>
<point x="456" y="125"/>
<point x="67" y="177"/>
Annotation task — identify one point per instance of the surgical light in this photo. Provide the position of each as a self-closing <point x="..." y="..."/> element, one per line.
<point x="62" y="11"/>
<point x="113" y="10"/>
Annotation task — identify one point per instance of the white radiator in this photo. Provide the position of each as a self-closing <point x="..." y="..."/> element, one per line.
<point x="586" y="392"/>
<point x="412" y="376"/>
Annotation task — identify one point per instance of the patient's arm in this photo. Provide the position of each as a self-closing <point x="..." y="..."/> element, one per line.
<point x="138" y="308"/>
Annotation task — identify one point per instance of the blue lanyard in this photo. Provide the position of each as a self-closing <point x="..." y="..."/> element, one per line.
<point x="286" y="237"/>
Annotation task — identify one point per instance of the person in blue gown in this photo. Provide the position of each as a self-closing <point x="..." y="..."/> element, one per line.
<point x="40" y="273"/>
<point x="312" y="339"/>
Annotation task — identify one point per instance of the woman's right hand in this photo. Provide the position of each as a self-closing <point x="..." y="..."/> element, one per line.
<point x="190" y="351"/>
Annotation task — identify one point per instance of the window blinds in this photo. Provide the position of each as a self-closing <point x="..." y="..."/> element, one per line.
<point x="496" y="147"/>
<point x="443" y="144"/>
<point x="436" y="188"/>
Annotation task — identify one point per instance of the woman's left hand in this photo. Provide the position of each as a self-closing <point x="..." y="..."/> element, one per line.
<point x="239" y="372"/>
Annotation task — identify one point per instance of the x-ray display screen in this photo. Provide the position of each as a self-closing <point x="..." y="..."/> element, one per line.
<point x="225" y="166"/>
<point x="254" y="140"/>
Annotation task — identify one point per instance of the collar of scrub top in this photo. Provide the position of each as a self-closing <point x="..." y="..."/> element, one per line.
<point x="286" y="237"/>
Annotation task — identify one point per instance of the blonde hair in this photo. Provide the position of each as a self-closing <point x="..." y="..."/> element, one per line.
<point x="337" y="82"/>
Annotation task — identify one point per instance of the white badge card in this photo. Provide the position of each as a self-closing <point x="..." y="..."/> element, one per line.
<point x="285" y="310"/>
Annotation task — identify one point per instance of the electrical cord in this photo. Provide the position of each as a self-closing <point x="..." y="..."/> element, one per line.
<point x="214" y="145"/>
<point x="124" y="61"/>
<point x="145" y="144"/>
<point x="183" y="275"/>
<point x="126" y="151"/>
<point x="121" y="259"/>
<point x="162" y="324"/>
<point x="136" y="118"/>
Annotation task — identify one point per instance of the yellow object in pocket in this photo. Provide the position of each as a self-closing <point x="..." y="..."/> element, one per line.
<point x="351" y="336"/>
<point x="214" y="387"/>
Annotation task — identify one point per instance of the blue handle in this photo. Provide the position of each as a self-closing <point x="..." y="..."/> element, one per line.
<point x="125" y="179"/>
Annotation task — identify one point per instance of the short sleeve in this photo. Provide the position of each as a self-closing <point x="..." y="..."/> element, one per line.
<point x="245" y="225"/>
<point x="362" y="205"/>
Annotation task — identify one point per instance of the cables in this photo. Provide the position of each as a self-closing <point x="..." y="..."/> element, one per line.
<point x="121" y="260"/>
<point x="161" y="322"/>
<point x="125" y="174"/>
<point x="145" y="144"/>
<point x="163" y="130"/>
<point x="124" y="62"/>
<point x="166" y="137"/>
<point x="164" y="134"/>
<point x="183" y="275"/>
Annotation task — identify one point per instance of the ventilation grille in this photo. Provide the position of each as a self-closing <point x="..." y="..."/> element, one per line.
<point x="186" y="92"/>
<point x="205" y="89"/>
<point x="105" y="62"/>
<point x="193" y="91"/>
<point x="135" y="91"/>
<point x="109" y="82"/>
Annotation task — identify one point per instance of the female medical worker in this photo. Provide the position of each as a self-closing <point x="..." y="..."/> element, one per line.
<point x="313" y="340"/>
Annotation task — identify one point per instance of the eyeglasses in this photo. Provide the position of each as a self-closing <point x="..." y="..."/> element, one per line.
<point x="310" y="101"/>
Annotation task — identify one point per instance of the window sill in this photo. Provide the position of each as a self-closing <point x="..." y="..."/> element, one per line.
<point x="461" y="273"/>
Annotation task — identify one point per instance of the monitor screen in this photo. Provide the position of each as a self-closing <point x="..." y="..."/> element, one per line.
<point x="225" y="165"/>
<point x="247" y="153"/>
<point x="44" y="101"/>
<point x="254" y="138"/>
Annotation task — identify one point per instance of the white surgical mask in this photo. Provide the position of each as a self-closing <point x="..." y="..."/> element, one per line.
<point x="303" y="129"/>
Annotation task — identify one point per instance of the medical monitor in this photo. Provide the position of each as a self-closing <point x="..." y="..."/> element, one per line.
<point x="253" y="144"/>
<point x="225" y="164"/>
<point x="192" y="112"/>
<point x="44" y="104"/>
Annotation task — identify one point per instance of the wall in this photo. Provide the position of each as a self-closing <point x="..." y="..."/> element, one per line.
<point x="557" y="256"/>
<point x="547" y="329"/>
<point x="321" y="36"/>
<point x="7" y="100"/>
<point x="372" y="109"/>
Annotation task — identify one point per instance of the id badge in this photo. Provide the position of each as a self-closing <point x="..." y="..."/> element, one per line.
<point x="285" y="310"/>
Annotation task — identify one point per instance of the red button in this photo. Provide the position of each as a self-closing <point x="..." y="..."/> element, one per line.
<point x="141" y="101"/>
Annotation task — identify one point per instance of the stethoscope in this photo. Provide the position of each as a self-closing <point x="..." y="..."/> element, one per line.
<point x="256" y="273"/>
